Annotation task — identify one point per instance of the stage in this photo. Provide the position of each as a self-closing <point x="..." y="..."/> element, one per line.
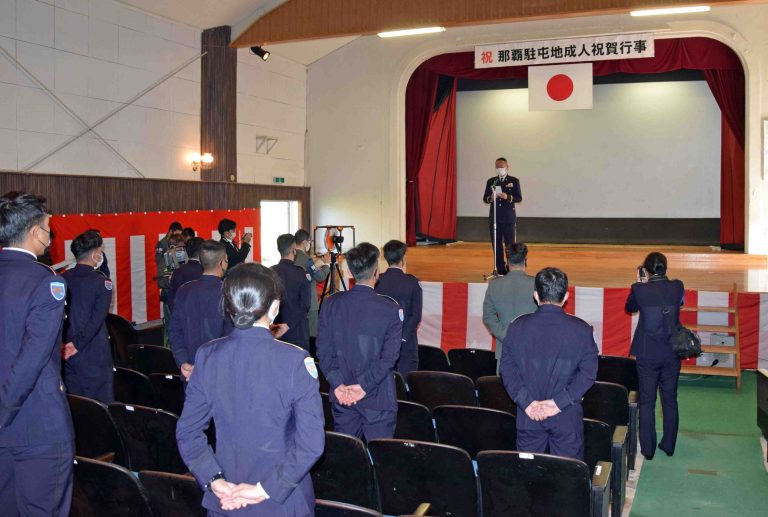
<point x="699" y="267"/>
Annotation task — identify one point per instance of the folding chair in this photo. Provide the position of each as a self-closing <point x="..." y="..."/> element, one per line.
<point x="432" y="359"/>
<point x="434" y="389"/>
<point x="106" y="489"/>
<point x="414" y="422"/>
<point x="476" y="429"/>
<point x="411" y="473"/>
<point x="149" y="436"/>
<point x="540" y="485"/>
<point x="173" y="495"/>
<point x="344" y="472"/>
<point x="96" y="434"/>
<point x="472" y="362"/>
<point x="492" y="394"/>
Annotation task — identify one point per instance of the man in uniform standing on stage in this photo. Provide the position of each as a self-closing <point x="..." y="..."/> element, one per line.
<point x="36" y="436"/>
<point x="358" y="342"/>
<point x="88" y="368"/>
<point x="502" y="191"/>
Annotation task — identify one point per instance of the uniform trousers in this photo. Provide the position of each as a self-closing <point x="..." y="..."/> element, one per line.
<point x="409" y="357"/>
<point x="560" y="437"/>
<point x="359" y="422"/>
<point x="505" y="235"/>
<point x="658" y="374"/>
<point x="36" y="480"/>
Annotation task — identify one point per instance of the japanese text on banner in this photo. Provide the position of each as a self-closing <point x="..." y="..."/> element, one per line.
<point x="545" y="52"/>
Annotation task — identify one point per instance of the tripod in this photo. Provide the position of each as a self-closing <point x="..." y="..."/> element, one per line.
<point x="329" y="287"/>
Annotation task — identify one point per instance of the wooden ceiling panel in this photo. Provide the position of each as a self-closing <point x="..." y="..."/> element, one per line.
<point x="313" y="19"/>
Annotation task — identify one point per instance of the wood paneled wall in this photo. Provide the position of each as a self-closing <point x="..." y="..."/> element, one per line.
<point x="310" y="19"/>
<point x="97" y="195"/>
<point x="218" y="104"/>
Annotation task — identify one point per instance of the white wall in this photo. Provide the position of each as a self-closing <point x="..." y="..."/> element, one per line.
<point x="598" y="162"/>
<point x="356" y="110"/>
<point x="96" y="55"/>
<point x="271" y="101"/>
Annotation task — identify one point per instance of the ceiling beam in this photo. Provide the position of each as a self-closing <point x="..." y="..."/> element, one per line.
<point x="297" y="20"/>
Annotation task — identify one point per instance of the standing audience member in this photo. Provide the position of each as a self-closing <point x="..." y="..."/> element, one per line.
<point x="318" y="270"/>
<point x="88" y="367"/>
<point x="296" y="296"/>
<point x="236" y="255"/>
<point x="548" y="363"/>
<point x="658" y="299"/>
<point x="509" y="296"/>
<point x="191" y="270"/>
<point x="198" y="316"/>
<point x="162" y="246"/>
<point x="104" y="267"/>
<point x="264" y="397"/>
<point x="36" y="436"/>
<point x="358" y="342"/>
<point x="188" y="233"/>
<point x="405" y="288"/>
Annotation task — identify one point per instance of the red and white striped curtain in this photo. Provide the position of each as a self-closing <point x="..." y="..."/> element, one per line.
<point x="129" y="242"/>
<point x="453" y="318"/>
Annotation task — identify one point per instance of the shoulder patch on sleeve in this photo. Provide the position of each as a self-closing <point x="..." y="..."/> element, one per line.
<point x="108" y="284"/>
<point x="58" y="291"/>
<point x="311" y="367"/>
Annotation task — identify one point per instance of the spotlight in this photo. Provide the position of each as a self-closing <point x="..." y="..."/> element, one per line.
<point x="263" y="54"/>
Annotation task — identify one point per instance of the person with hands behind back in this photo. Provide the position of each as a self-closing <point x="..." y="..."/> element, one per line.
<point x="264" y="396"/>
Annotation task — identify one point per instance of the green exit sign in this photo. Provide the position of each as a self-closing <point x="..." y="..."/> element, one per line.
<point x="278" y="179"/>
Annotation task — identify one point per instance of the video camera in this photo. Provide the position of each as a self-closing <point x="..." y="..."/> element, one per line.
<point x="332" y="239"/>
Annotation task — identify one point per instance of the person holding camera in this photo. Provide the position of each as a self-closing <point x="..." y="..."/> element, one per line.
<point x="235" y="255"/>
<point x="658" y="300"/>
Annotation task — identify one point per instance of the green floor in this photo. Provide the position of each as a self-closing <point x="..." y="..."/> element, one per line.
<point x="717" y="467"/>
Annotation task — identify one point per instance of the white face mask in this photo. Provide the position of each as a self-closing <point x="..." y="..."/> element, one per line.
<point x="100" y="261"/>
<point x="502" y="171"/>
<point x="274" y="310"/>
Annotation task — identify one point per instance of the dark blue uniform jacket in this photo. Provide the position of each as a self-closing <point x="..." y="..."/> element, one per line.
<point x="192" y="270"/>
<point x="89" y="294"/>
<point x="505" y="208"/>
<point x="33" y="404"/>
<point x="198" y="318"/>
<point x="659" y="302"/>
<point x="549" y="355"/>
<point x="295" y="302"/>
<point x="358" y="342"/>
<point x="404" y="288"/>
<point x="264" y="396"/>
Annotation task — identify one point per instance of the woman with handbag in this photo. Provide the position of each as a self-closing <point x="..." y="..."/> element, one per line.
<point x="658" y="299"/>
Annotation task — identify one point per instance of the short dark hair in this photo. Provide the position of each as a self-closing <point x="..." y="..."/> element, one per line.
<point x="551" y="285"/>
<point x="85" y="243"/>
<point x="175" y="227"/>
<point x="211" y="253"/>
<point x="655" y="263"/>
<point x="301" y="236"/>
<point x="517" y="253"/>
<point x="394" y="251"/>
<point x="249" y="290"/>
<point x="502" y="159"/>
<point x="193" y="247"/>
<point x="188" y="233"/>
<point x="284" y="243"/>
<point x="362" y="260"/>
<point x="19" y="213"/>
<point x="226" y="225"/>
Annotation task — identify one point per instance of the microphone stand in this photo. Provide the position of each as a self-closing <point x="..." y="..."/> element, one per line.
<point x="495" y="272"/>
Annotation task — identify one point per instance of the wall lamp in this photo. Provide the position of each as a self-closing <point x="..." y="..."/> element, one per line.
<point x="200" y="162"/>
<point x="258" y="51"/>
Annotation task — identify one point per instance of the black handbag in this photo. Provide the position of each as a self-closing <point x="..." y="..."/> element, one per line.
<point x="685" y="343"/>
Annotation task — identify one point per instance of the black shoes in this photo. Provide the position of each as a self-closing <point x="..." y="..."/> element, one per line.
<point x="668" y="453"/>
<point x="647" y="458"/>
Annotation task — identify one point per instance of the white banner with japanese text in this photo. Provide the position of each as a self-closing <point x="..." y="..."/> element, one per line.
<point x="573" y="50"/>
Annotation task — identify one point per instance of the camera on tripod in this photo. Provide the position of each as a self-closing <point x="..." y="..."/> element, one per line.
<point x="336" y="240"/>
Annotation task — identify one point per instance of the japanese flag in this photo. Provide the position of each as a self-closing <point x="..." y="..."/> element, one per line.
<point x="560" y="87"/>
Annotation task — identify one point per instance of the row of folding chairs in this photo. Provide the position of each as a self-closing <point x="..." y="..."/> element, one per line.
<point x="102" y="488"/>
<point x="394" y="476"/>
<point x="156" y="390"/>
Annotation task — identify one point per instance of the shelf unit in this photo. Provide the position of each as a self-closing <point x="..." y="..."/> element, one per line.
<point x="734" y="350"/>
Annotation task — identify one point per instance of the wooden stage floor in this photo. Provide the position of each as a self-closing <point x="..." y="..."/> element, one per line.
<point x="699" y="267"/>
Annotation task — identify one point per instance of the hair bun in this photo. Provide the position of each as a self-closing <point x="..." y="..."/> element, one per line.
<point x="244" y="320"/>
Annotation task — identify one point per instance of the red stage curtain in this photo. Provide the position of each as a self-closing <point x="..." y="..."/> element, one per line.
<point x="722" y="70"/>
<point x="436" y="179"/>
<point x="419" y="101"/>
